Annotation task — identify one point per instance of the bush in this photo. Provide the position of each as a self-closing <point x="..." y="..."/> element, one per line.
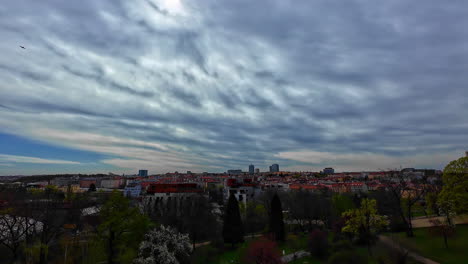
<point x="263" y="251"/>
<point x="318" y="243"/>
<point x="347" y="257"/>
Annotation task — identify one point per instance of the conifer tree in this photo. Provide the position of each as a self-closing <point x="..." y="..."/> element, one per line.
<point x="232" y="227"/>
<point x="276" y="219"/>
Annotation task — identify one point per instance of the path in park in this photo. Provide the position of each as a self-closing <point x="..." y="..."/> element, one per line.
<point x="389" y="242"/>
<point x="294" y="256"/>
<point x="209" y="242"/>
<point x="424" y="221"/>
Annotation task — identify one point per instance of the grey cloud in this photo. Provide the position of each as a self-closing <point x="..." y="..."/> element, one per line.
<point x="235" y="82"/>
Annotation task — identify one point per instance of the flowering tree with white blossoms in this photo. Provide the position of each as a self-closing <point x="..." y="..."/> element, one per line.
<point x="164" y="245"/>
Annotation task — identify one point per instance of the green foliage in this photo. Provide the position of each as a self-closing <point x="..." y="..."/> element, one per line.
<point x="254" y="216"/>
<point x="233" y="231"/>
<point x="364" y="222"/>
<point x="454" y="194"/>
<point x="122" y="227"/>
<point x="342" y="203"/>
<point x="364" y="217"/>
<point x="431" y="203"/>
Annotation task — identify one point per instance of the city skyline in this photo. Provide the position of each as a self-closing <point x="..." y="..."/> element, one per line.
<point x="173" y="85"/>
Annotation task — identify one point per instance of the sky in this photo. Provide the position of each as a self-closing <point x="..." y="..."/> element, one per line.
<point x="176" y="85"/>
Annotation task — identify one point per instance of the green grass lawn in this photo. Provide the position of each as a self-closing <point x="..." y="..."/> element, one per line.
<point x="433" y="247"/>
<point x="209" y="255"/>
<point x="233" y="256"/>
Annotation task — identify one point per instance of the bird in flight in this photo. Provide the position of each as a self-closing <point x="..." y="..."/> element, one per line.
<point x="22" y="47"/>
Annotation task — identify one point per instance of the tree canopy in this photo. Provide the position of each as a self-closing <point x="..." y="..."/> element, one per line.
<point x="364" y="222"/>
<point x="122" y="225"/>
<point x="454" y="194"/>
<point x="164" y="245"/>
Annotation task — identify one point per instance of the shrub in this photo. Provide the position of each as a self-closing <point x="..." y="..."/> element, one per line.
<point x="263" y="251"/>
<point x="318" y="243"/>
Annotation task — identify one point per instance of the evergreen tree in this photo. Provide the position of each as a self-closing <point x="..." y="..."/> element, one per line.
<point x="276" y="219"/>
<point x="92" y="187"/>
<point x="232" y="227"/>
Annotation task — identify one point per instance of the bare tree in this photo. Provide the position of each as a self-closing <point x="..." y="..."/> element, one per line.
<point x="406" y="193"/>
<point x="14" y="230"/>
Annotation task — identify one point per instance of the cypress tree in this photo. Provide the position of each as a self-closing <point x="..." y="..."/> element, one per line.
<point x="276" y="219"/>
<point x="232" y="227"/>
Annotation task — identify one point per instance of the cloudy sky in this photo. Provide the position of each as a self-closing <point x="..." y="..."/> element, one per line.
<point x="211" y="85"/>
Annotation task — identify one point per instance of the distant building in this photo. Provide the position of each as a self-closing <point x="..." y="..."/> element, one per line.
<point x="234" y="171"/>
<point x="143" y="173"/>
<point x="328" y="171"/>
<point x="242" y="189"/>
<point x="112" y="183"/>
<point x="274" y="168"/>
<point x="251" y="169"/>
<point x="257" y="170"/>
<point x="132" y="190"/>
<point x="86" y="182"/>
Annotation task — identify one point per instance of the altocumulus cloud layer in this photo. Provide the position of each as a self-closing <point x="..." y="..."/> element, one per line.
<point x="209" y="85"/>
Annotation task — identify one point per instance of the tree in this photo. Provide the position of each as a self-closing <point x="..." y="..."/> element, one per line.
<point x="454" y="192"/>
<point x="254" y="217"/>
<point x="342" y="203"/>
<point x="48" y="210"/>
<point x="364" y="222"/>
<point x="318" y="243"/>
<point x="276" y="226"/>
<point x="233" y="231"/>
<point x="197" y="219"/>
<point x="390" y="206"/>
<point x="14" y="229"/>
<point x="164" y="245"/>
<point x="406" y="194"/>
<point x="92" y="187"/>
<point x="263" y="251"/>
<point x="122" y="226"/>
<point x="431" y="203"/>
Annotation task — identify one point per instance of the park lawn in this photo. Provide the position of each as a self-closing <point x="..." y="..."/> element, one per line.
<point x="433" y="247"/>
<point x="233" y="256"/>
